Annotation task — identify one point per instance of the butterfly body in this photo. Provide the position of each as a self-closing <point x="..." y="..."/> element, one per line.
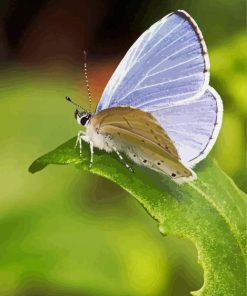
<point x="158" y="108"/>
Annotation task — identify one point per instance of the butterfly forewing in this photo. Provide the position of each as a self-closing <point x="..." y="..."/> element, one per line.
<point x="139" y="136"/>
<point x="167" y="63"/>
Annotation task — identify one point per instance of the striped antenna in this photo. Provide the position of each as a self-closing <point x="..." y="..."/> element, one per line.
<point x="86" y="80"/>
<point x="77" y="105"/>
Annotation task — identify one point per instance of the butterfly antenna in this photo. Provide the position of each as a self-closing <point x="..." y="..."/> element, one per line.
<point x="72" y="102"/>
<point x="86" y="80"/>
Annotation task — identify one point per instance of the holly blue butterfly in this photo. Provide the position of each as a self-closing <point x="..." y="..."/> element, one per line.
<point x="158" y="107"/>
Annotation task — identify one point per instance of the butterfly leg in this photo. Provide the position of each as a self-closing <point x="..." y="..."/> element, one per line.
<point x="122" y="159"/>
<point x="91" y="150"/>
<point x="80" y="136"/>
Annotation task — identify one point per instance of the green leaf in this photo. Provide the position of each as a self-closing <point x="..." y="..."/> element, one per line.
<point x="210" y="211"/>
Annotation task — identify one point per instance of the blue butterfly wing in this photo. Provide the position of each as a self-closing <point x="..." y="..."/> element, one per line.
<point x="167" y="63"/>
<point x="166" y="72"/>
<point x="193" y="125"/>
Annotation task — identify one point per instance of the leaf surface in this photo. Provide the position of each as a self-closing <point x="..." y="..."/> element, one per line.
<point x="209" y="211"/>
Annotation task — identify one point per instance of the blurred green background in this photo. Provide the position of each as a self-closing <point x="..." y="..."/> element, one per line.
<point x="64" y="232"/>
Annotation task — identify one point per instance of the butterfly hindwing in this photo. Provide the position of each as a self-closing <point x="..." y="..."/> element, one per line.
<point x="193" y="125"/>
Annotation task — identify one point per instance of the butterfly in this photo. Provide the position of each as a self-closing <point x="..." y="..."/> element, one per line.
<point x="158" y="108"/>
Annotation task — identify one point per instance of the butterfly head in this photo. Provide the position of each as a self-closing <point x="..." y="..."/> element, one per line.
<point x="83" y="118"/>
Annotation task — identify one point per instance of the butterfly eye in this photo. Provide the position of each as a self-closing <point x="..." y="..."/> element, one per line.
<point x="84" y="119"/>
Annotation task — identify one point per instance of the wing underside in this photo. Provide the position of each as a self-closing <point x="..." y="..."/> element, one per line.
<point x="139" y="136"/>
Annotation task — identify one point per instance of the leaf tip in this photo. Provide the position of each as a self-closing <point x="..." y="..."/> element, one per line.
<point x="36" y="166"/>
